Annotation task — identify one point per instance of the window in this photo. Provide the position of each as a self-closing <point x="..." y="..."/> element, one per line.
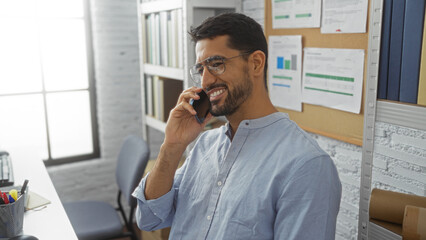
<point x="47" y="95"/>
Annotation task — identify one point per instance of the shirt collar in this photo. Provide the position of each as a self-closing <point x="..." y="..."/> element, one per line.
<point x="257" y="123"/>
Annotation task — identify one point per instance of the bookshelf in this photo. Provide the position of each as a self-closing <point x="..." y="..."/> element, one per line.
<point x="167" y="51"/>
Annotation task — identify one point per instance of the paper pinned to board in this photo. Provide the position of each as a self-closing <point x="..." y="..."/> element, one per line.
<point x="344" y="16"/>
<point x="296" y="14"/>
<point x="285" y="71"/>
<point x="333" y="78"/>
<point x="255" y="9"/>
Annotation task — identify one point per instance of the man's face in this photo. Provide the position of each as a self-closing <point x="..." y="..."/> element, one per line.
<point x="230" y="89"/>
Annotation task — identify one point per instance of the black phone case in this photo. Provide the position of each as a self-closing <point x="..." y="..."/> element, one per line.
<point x="201" y="106"/>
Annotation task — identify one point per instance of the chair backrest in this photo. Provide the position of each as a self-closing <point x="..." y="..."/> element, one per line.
<point x="131" y="163"/>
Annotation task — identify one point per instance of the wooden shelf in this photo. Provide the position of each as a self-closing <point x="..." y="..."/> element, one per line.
<point x="162" y="71"/>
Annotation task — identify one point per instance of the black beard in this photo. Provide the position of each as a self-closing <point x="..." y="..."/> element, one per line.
<point x="234" y="99"/>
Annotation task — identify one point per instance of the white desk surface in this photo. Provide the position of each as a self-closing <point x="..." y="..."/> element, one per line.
<point x="50" y="222"/>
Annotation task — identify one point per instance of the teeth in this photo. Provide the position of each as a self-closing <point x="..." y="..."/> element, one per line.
<point x="217" y="93"/>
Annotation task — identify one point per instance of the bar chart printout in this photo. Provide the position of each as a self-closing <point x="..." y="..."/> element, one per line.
<point x="333" y="78"/>
<point x="285" y="74"/>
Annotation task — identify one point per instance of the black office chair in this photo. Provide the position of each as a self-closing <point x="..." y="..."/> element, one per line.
<point x="100" y="220"/>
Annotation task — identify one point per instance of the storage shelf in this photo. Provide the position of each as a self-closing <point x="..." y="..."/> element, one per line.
<point x="155" y="123"/>
<point x="160" y="5"/>
<point x="162" y="71"/>
<point x="406" y="115"/>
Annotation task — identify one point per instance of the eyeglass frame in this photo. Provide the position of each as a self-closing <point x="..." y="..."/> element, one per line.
<point x="193" y="72"/>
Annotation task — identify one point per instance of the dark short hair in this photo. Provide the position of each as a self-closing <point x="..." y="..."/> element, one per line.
<point x="245" y="34"/>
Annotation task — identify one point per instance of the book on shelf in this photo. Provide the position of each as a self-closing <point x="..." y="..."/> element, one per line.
<point x="180" y="36"/>
<point x="384" y="50"/>
<point x="411" y="50"/>
<point x="148" y="96"/>
<point x="155" y="97"/>
<point x="169" y="39"/>
<point x="164" y="38"/>
<point x="395" y="49"/>
<point x="162" y="95"/>
<point x="171" y="91"/>
<point x="157" y="39"/>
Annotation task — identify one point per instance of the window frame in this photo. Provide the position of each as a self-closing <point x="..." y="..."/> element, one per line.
<point x="92" y="98"/>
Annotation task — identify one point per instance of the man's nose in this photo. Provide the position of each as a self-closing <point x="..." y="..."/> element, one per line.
<point x="207" y="79"/>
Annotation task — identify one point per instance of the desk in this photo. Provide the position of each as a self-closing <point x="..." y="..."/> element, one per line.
<point x="51" y="222"/>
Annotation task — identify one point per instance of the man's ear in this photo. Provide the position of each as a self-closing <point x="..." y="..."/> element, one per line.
<point x="258" y="62"/>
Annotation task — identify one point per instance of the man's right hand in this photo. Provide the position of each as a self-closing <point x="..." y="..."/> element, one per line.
<point x="182" y="128"/>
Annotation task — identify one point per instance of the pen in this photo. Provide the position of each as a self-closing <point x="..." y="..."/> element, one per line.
<point x="24" y="186"/>
<point x="5" y="198"/>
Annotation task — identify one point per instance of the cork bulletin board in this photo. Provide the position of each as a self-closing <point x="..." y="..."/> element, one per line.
<point x="333" y="123"/>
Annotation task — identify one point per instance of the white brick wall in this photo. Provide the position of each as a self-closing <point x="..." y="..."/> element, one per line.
<point x="399" y="159"/>
<point x="347" y="158"/>
<point x="116" y="55"/>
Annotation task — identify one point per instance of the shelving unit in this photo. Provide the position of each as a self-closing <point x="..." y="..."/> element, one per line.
<point x="166" y="61"/>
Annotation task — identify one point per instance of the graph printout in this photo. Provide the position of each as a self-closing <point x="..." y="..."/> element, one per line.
<point x="333" y="78"/>
<point x="285" y="72"/>
<point x="296" y="13"/>
<point x="344" y="16"/>
<point x="255" y="9"/>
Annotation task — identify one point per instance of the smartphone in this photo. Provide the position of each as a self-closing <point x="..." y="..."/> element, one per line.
<point x="201" y="106"/>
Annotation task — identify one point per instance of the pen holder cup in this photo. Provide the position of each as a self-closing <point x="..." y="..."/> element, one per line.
<point x="12" y="218"/>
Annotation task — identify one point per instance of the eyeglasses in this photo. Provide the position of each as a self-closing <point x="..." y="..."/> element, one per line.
<point x="215" y="65"/>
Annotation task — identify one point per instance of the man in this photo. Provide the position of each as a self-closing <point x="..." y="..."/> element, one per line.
<point x="258" y="177"/>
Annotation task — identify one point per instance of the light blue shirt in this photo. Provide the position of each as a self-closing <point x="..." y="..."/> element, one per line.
<point x="272" y="181"/>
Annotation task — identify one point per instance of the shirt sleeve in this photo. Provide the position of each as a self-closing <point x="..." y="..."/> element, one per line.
<point x="156" y="213"/>
<point x="309" y="203"/>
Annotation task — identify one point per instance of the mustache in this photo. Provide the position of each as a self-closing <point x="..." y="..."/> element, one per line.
<point x="215" y="86"/>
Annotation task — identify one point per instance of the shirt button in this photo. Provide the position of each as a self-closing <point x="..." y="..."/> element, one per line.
<point x="247" y="123"/>
<point x="219" y="183"/>
<point x="209" y="217"/>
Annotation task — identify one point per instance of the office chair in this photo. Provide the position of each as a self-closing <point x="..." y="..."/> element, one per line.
<point x="100" y="220"/>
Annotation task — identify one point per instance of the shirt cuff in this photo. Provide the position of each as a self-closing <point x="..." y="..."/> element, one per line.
<point x="160" y="207"/>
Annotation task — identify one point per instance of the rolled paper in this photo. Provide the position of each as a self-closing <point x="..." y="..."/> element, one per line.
<point x="414" y="224"/>
<point x="390" y="206"/>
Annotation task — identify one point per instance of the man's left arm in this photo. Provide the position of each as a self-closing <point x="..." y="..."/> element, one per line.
<point x="309" y="203"/>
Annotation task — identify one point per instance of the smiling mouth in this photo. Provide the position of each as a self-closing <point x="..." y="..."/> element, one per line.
<point x="216" y="94"/>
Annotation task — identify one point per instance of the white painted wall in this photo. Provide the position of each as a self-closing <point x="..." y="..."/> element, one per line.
<point x="399" y="159"/>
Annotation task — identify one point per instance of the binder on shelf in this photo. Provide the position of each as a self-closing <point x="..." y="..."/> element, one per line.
<point x="180" y="38"/>
<point x="173" y="39"/>
<point x="160" y="96"/>
<point x="163" y="38"/>
<point x="421" y="95"/>
<point x="149" y="96"/>
<point x="157" y="39"/>
<point x="384" y="50"/>
<point x="411" y="49"/>
<point x="155" y="105"/>
<point x="395" y="49"/>
<point x="145" y="22"/>
<point x="169" y="40"/>
<point x="171" y="91"/>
